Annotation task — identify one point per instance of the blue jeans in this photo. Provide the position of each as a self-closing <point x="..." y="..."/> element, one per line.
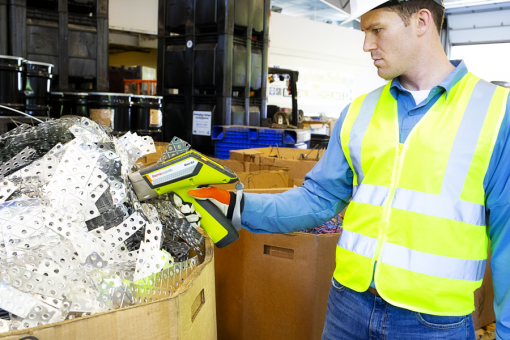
<point x="363" y="316"/>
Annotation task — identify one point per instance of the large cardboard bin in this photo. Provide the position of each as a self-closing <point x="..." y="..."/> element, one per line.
<point x="189" y="314"/>
<point x="274" y="286"/>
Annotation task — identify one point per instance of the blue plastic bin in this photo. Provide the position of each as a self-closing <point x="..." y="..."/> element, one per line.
<point x="228" y="138"/>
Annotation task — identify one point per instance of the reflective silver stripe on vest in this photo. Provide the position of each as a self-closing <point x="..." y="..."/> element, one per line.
<point x="354" y="190"/>
<point x="466" y="139"/>
<point x="371" y="194"/>
<point x="359" y="128"/>
<point x="438" y="206"/>
<point x="433" y="265"/>
<point x="357" y="243"/>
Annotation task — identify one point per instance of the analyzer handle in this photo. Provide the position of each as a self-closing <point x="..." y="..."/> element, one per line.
<point x="215" y="224"/>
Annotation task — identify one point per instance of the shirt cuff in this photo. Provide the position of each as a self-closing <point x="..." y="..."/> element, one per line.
<point x="252" y="207"/>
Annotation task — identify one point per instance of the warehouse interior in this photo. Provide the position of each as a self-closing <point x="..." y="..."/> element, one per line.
<point x="174" y="169"/>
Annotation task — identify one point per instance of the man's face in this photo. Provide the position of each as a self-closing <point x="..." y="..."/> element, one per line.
<point x="389" y="41"/>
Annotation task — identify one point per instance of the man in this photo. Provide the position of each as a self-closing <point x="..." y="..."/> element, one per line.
<point x="425" y="160"/>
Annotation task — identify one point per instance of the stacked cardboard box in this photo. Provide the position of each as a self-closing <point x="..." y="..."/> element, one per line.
<point x="299" y="162"/>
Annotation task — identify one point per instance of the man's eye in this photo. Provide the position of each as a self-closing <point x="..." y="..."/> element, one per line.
<point x="377" y="30"/>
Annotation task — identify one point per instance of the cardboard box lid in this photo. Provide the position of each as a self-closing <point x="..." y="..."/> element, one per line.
<point x="253" y="155"/>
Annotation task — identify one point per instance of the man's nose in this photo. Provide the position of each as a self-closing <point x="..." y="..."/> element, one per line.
<point x="369" y="44"/>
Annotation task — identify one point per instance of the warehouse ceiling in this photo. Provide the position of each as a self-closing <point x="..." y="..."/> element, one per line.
<point x="450" y="4"/>
<point x="320" y="11"/>
<point x="311" y="9"/>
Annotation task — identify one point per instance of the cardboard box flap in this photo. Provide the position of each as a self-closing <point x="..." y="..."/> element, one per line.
<point x="251" y="155"/>
<point x="260" y="180"/>
<point x="233" y="165"/>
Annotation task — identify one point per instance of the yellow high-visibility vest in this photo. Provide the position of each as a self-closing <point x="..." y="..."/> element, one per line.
<point x="418" y="208"/>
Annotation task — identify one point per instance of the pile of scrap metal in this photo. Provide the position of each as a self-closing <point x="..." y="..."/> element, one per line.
<point x="75" y="238"/>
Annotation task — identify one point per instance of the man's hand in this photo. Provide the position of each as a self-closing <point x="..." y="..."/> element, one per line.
<point x="223" y="199"/>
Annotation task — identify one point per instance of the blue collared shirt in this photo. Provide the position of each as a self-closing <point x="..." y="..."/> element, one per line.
<point x="328" y="188"/>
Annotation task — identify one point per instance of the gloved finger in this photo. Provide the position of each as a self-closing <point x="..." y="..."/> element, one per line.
<point x="222" y="196"/>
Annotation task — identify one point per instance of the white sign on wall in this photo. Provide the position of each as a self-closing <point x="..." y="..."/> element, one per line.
<point x="202" y="123"/>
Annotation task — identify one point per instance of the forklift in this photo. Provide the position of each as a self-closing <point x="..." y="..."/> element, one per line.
<point x="279" y="118"/>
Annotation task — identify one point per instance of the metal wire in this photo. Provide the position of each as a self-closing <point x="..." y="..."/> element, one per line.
<point x="23" y="113"/>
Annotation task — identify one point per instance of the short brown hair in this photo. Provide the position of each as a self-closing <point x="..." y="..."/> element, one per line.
<point x="407" y="9"/>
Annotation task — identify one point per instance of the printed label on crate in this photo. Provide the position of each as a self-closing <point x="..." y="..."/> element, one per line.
<point x="103" y="116"/>
<point x="202" y="123"/>
<point x="156" y="119"/>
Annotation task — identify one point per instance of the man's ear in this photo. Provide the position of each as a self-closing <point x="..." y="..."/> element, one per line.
<point x="423" y="21"/>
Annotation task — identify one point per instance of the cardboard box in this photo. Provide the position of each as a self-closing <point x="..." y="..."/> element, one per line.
<point x="260" y="180"/>
<point x="280" y="157"/>
<point x="274" y="286"/>
<point x="237" y="166"/>
<point x="258" y="155"/>
<point x="154" y="157"/>
<point x="189" y="314"/>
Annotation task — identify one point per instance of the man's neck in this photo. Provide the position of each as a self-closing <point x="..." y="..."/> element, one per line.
<point x="428" y="71"/>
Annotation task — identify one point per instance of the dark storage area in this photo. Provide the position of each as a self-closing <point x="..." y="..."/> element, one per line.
<point x="11" y="84"/>
<point x="212" y="66"/>
<point x="69" y="103"/>
<point x="37" y="87"/>
<point x="70" y="34"/>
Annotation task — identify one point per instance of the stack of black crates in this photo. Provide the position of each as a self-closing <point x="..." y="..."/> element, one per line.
<point x="212" y="58"/>
<point x="70" y="34"/>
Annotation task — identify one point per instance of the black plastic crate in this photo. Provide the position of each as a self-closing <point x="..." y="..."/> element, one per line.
<point x="212" y="65"/>
<point x="4" y="27"/>
<point x="178" y="116"/>
<point x="244" y="18"/>
<point x="83" y="7"/>
<point x="179" y="113"/>
<point x="71" y="34"/>
<point x="212" y="58"/>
